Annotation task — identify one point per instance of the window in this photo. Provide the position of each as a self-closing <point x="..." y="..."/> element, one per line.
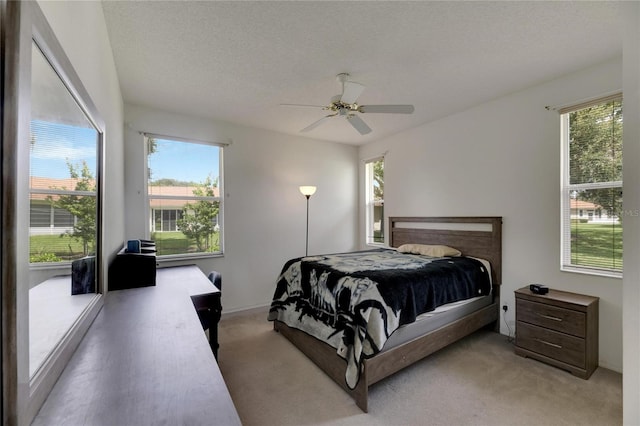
<point x="165" y="220"/>
<point x="592" y="187"/>
<point x="374" y="190"/>
<point x="184" y="187"/>
<point x="62" y="182"/>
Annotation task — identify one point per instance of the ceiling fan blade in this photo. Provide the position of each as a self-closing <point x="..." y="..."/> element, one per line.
<point x="317" y="123"/>
<point x="351" y="91"/>
<point x="303" y="105"/>
<point x="392" y="109"/>
<point x="358" y="124"/>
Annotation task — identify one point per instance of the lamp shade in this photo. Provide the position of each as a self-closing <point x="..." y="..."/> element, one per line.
<point x="308" y="191"/>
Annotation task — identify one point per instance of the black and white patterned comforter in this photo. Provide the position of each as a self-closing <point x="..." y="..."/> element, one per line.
<point x="355" y="301"/>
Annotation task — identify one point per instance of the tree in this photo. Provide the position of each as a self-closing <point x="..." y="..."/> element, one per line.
<point x="595" y="153"/>
<point x="197" y="221"/>
<point x="171" y="182"/>
<point x="378" y="179"/>
<point x="378" y="200"/>
<point x="152" y="148"/>
<point x="82" y="207"/>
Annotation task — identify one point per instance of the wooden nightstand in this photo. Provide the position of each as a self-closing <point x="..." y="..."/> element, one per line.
<point x="559" y="328"/>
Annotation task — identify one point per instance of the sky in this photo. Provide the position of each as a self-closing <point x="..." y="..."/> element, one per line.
<point x="53" y="146"/>
<point x="171" y="156"/>
<point x="56" y="145"/>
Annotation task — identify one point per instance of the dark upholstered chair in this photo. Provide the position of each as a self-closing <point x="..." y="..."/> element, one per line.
<point x="216" y="278"/>
<point x="209" y="317"/>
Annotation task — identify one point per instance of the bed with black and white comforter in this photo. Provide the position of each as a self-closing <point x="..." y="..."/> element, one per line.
<point x="355" y="301"/>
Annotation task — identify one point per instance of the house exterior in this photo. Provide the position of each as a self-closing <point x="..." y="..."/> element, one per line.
<point x="165" y="212"/>
<point x="589" y="212"/>
<point x="44" y="217"/>
<point x="47" y="219"/>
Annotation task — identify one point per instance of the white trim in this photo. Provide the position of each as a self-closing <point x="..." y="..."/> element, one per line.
<point x="181" y="139"/>
<point x="591" y="271"/>
<point x="482" y="227"/>
<point x="586" y="102"/>
<point x="62" y="192"/>
<point x="183" y="197"/>
<point x="375" y="158"/>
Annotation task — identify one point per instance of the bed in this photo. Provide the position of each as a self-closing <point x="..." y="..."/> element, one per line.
<point x="379" y="339"/>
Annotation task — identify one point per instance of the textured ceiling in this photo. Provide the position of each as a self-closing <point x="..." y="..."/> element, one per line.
<point x="238" y="61"/>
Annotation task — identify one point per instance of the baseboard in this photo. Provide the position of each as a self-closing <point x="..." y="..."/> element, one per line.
<point x="245" y="311"/>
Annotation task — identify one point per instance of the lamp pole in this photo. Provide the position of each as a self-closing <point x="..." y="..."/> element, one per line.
<point x="307" y="191"/>
<point x="306" y="246"/>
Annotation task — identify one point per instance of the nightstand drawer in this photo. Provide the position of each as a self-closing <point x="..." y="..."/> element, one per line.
<point x="551" y="317"/>
<point x="565" y="348"/>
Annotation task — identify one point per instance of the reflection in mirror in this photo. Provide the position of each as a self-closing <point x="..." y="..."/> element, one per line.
<point x="63" y="211"/>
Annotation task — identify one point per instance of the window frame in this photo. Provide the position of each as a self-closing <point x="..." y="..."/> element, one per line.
<point x="566" y="188"/>
<point x="369" y="204"/>
<point x="219" y="198"/>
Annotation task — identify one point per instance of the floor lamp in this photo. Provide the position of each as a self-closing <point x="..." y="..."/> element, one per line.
<point x="307" y="191"/>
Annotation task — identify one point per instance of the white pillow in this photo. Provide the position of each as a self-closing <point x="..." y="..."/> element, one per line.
<point x="429" y="250"/>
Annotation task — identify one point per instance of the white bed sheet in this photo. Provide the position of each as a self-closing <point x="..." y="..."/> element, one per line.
<point x="439" y="317"/>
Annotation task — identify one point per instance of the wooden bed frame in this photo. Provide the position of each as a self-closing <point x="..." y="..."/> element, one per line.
<point x="474" y="236"/>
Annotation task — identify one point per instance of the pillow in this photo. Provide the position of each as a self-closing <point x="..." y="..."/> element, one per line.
<point x="429" y="250"/>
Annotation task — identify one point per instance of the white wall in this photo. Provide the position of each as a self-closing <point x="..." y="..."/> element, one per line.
<point x="631" y="293"/>
<point x="502" y="158"/>
<point x="264" y="212"/>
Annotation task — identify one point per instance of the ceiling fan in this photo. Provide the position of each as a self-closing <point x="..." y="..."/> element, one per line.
<point x="344" y="105"/>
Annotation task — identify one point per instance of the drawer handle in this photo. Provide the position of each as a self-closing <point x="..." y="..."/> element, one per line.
<point x="548" y="343"/>
<point x="549" y="317"/>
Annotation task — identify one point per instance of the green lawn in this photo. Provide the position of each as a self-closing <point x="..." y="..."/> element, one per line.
<point x="55" y="248"/>
<point x="591" y="244"/>
<point x="596" y="245"/>
<point x="177" y="243"/>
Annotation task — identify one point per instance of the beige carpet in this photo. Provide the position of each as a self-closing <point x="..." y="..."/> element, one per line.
<point x="477" y="381"/>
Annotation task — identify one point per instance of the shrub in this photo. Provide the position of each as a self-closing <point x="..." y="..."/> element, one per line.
<point x="44" y="257"/>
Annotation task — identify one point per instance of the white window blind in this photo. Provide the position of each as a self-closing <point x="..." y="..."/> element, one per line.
<point x="374" y="190"/>
<point x="591" y="200"/>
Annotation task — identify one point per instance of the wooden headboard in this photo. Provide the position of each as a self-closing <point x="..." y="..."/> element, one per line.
<point x="477" y="236"/>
